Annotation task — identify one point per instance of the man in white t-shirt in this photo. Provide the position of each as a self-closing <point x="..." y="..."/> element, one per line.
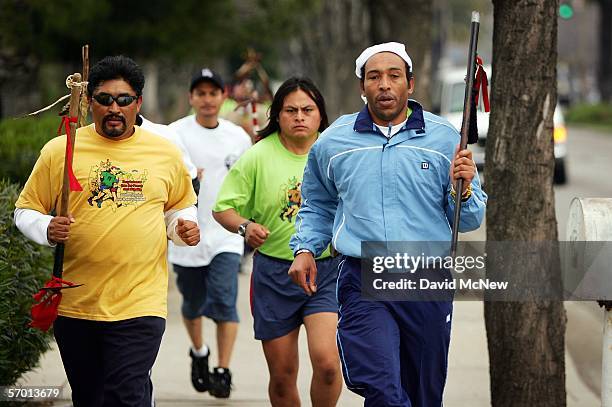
<point x="207" y="275"/>
<point x="169" y="133"/>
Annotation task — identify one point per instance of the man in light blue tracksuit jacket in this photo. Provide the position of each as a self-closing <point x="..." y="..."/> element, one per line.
<point x="385" y="174"/>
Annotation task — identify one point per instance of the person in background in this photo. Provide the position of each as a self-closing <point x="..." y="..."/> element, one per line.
<point x="207" y="275"/>
<point x="238" y="108"/>
<point x="259" y="201"/>
<point x="169" y="134"/>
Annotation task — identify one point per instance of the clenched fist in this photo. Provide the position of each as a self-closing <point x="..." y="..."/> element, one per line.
<point x="188" y="231"/>
<point x="463" y="167"/>
<point x="58" y="230"/>
<point x="256" y="234"/>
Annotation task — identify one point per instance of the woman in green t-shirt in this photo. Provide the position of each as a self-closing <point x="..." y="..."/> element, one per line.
<point x="259" y="199"/>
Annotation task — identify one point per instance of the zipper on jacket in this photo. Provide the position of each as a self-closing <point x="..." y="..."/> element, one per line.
<point x="386" y="144"/>
<point x="383" y="176"/>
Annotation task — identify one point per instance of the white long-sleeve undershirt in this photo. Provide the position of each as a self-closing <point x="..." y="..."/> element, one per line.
<point x="34" y="224"/>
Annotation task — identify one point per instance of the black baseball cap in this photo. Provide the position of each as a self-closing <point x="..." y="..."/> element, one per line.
<point x="206" y="75"/>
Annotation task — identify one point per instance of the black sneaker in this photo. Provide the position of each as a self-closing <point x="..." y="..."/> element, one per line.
<point x="220" y="383"/>
<point x="199" y="372"/>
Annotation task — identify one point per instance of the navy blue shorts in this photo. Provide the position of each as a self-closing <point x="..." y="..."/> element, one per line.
<point x="109" y="363"/>
<point x="278" y="304"/>
<point x="210" y="291"/>
<point x="393" y="353"/>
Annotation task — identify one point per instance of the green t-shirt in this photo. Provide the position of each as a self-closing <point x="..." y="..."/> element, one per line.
<point x="265" y="185"/>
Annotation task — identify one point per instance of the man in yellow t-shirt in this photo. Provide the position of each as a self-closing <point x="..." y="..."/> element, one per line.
<point x="136" y="195"/>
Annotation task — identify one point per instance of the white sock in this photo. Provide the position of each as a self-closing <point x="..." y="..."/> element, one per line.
<point x="203" y="351"/>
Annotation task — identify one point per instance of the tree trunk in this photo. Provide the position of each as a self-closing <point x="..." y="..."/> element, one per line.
<point x="409" y="22"/>
<point x="1" y="102"/>
<point x="332" y="37"/>
<point x="526" y="340"/>
<point x="605" y="50"/>
<point x="339" y="30"/>
<point x="150" y="92"/>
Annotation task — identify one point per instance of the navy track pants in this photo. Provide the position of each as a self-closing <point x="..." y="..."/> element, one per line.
<point x="393" y="353"/>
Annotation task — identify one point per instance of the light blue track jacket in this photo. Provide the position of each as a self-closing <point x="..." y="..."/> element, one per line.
<point x="361" y="186"/>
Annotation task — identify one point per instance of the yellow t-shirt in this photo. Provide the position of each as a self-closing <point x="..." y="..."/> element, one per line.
<point x="117" y="246"/>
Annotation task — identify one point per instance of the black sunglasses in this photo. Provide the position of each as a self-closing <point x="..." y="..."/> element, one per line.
<point x="122" y="100"/>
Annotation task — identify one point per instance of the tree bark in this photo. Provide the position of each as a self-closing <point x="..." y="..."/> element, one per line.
<point x="339" y="30"/>
<point x="409" y="22"/>
<point x="150" y="92"/>
<point x="1" y="101"/>
<point x="605" y="50"/>
<point x="332" y="37"/>
<point x="526" y="339"/>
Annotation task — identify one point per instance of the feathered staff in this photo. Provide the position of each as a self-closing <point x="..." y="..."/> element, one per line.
<point x="44" y="311"/>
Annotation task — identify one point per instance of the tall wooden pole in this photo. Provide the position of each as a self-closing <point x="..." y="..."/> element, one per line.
<point x="75" y="95"/>
<point x="84" y="100"/>
<point x="465" y="125"/>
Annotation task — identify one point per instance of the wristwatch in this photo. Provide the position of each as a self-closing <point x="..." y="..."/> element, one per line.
<point x="242" y="228"/>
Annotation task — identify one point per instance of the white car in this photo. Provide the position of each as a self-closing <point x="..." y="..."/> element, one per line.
<point x="448" y="103"/>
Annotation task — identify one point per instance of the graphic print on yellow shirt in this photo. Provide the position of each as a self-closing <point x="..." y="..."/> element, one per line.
<point x="290" y="199"/>
<point x="117" y="252"/>
<point x="115" y="187"/>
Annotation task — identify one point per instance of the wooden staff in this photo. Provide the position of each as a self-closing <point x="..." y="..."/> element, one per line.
<point x="465" y="125"/>
<point x="75" y="94"/>
<point x="84" y="100"/>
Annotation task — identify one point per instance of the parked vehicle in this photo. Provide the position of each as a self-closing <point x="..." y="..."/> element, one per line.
<point x="448" y="102"/>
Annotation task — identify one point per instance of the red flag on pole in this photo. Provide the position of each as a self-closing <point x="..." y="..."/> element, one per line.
<point x="481" y="83"/>
<point x="74" y="183"/>
<point x="47" y="300"/>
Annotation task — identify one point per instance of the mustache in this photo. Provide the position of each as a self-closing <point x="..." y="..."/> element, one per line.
<point x="385" y="96"/>
<point x="113" y="117"/>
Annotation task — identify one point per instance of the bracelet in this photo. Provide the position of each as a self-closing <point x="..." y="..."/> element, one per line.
<point x="301" y="251"/>
<point x="465" y="195"/>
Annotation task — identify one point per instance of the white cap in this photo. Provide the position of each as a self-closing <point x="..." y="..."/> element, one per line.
<point x="397" y="48"/>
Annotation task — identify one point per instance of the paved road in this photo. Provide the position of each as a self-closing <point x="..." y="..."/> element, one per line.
<point x="468" y="378"/>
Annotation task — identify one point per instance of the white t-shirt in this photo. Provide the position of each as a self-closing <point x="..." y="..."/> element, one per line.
<point x="390" y="131"/>
<point x="169" y="134"/>
<point x="214" y="151"/>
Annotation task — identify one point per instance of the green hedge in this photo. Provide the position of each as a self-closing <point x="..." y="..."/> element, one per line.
<point x="20" y="144"/>
<point x="24" y="267"/>
<point x="599" y="114"/>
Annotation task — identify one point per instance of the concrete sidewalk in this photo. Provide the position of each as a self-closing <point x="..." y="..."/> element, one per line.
<point x="467" y="384"/>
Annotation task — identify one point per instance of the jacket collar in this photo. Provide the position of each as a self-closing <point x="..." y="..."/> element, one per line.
<point x="365" y="123"/>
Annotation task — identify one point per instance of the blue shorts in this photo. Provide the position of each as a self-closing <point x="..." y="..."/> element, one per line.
<point x="278" y="304"/>
<point x="210" y="291"/>
<point x="393" y="353"/>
